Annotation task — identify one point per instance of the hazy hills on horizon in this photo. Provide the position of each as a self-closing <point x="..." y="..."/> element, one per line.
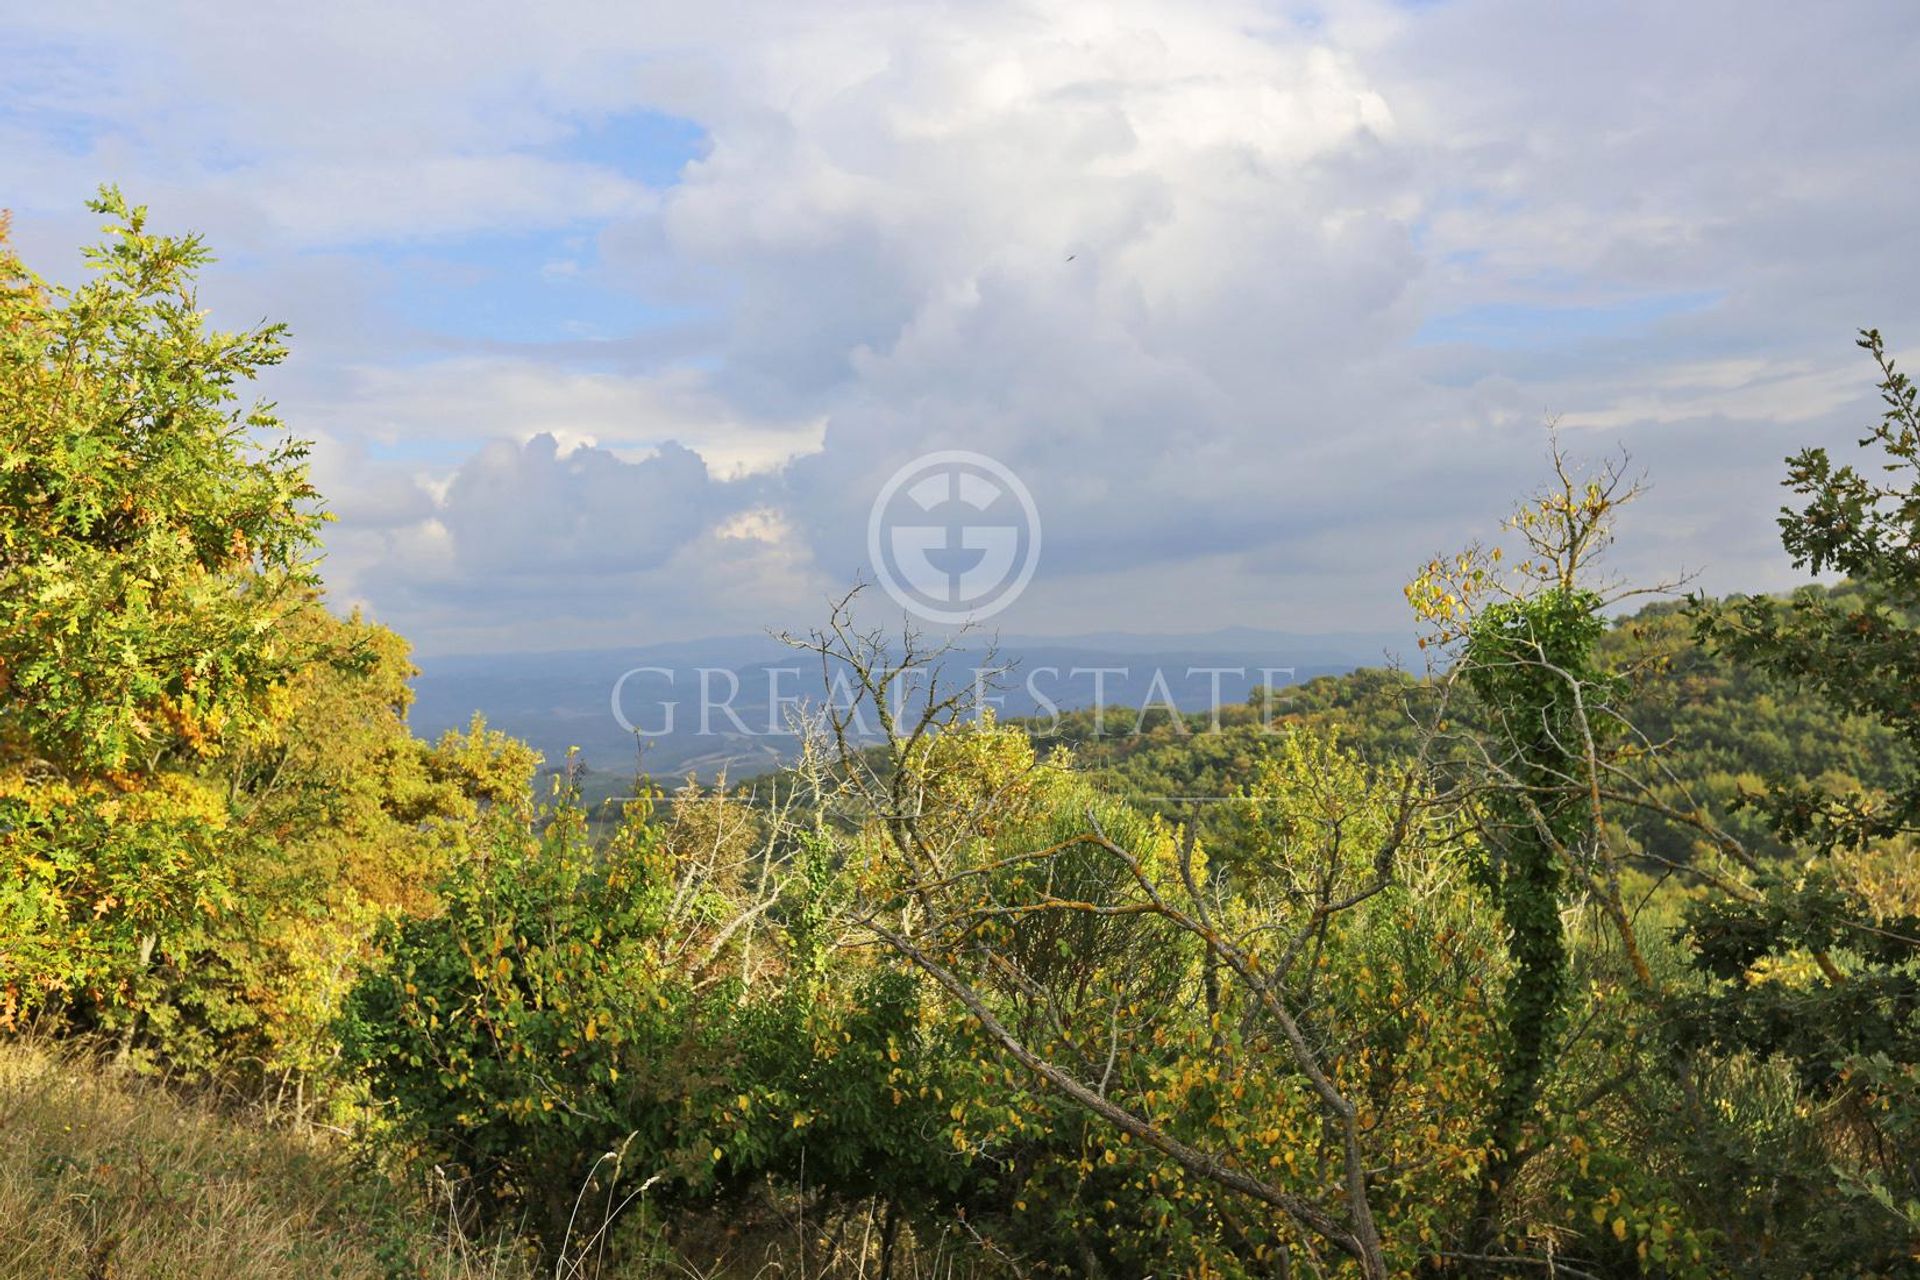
<point x="565" y="699"/>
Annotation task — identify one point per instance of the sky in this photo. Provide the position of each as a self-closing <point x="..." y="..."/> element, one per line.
<point x="611" y="320"/>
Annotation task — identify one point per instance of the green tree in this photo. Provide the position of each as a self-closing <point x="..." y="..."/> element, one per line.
<point x="339" y="820"/>
<point x="1806" y="964"/>
<point x="1530" y="756"/>
<point x="658" y="1013"/>
<point x="153" y="539"/>
<point x="1859" y="649"/>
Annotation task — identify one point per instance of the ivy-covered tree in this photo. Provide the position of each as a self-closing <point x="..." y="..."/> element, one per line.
<point x="1529" y="735"/>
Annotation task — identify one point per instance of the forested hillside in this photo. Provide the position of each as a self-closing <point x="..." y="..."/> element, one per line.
<point x="1588" y="949"/>
<point x="1718" y="729"/>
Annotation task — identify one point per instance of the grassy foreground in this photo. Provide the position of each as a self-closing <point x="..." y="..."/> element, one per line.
<point x="108" y="1176"/>
<point x="105" y="1176"/>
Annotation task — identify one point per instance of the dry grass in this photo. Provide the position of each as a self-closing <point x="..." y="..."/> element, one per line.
<point x="102" y="1176"/>
<point x="105" y="1176"/>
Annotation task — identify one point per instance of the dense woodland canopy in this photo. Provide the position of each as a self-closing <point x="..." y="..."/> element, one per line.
<point x="1588" y="949"/>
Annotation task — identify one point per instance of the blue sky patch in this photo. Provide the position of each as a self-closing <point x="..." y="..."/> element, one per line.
<point x="544" y="287"/>
<point x="1519" y="325"/>
<point x="648" y="146"/>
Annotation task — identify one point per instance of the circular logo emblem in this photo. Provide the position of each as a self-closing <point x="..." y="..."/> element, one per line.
<point x="954" y="536"/>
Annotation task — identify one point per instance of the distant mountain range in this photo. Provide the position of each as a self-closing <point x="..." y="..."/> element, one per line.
<point x="732" y="696"/>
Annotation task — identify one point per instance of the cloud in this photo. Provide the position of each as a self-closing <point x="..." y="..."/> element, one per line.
<point x="450" y="403"/>
<point x="583" y="536"/>
<point x="535" y="511"/>
<point x="1264" y="302"/>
